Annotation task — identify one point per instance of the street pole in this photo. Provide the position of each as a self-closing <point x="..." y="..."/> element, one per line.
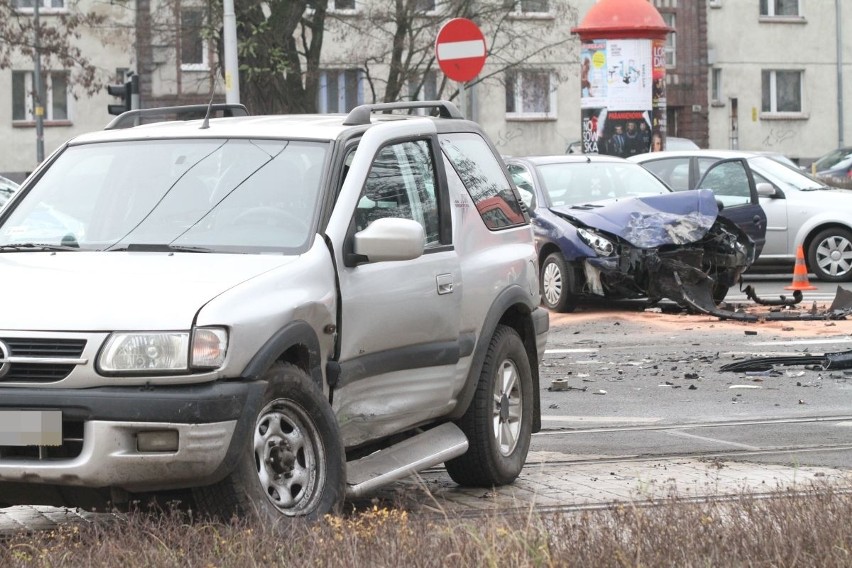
<point x="232" y="75"/>
<point x="38" y="107"/>
<point x="839" y="37"/>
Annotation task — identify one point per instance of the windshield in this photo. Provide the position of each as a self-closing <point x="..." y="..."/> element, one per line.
<point x="583" y="182"/>
<point x="221" y="195"/>
<point x="784" y="176"/>
<point x="829" y="160"/>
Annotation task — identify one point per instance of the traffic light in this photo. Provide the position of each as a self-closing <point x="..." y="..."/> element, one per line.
<point x="126" y="94"/>
<point x="123" y="93"/>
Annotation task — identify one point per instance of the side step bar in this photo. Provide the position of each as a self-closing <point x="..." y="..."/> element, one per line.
<point x="401" y="460"/>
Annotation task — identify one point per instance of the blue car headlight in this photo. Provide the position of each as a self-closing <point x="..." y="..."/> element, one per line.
<point x="601" y="245"/>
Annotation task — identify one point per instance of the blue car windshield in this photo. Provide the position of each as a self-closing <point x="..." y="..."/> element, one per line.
<point x="573" y="183"/>
<point x="234" y="195"/>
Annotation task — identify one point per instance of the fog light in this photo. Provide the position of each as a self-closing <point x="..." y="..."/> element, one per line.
<point x="157" y="441"/>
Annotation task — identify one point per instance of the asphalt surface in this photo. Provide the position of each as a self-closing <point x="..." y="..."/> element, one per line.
<point x="635" y="408"/>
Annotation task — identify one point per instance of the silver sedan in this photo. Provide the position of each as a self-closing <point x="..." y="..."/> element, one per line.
<point x="800" y="209"/>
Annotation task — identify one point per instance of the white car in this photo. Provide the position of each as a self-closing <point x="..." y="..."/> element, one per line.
<point x="800" y="209"/>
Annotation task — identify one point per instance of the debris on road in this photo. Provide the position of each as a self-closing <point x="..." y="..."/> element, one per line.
<point x="839" y="360"/>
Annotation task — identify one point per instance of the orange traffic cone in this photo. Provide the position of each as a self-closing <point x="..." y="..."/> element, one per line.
<point x="800" y="273"/>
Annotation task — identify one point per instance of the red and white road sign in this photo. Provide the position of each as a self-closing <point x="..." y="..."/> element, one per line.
<point x="460" y="49"/>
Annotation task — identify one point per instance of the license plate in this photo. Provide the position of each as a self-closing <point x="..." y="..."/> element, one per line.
<point x="30" y="428"/>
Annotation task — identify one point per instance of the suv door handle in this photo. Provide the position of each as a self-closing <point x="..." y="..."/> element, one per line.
<point x="445" y="284"/>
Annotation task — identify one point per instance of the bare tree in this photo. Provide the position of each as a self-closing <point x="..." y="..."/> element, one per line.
<point x="57" y="35"/>
<point x="397" y="41"/>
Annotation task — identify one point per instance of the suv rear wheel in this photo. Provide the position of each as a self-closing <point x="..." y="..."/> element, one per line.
<point x="498" y="423"/>
<point x="292" y="462"/>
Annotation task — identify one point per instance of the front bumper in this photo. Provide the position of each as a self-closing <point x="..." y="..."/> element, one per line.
<point x="101" y="426"/>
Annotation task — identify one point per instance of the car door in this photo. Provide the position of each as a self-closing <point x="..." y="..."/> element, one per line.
<point x="399" y="324"/>
<point x="732" y="182"/>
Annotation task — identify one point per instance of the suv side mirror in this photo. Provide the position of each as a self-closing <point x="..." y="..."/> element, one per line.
<point x="389" y="238"/>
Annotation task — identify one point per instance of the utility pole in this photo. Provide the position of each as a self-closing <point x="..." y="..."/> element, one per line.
<point x="232" y="70"/>
<point x="38" y="87"/>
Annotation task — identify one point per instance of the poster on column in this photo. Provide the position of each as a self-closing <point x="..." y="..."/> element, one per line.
<point x="617" y="132"/>
<point x="658" y="97"/>
<point x="593" y="83"/>
<point x="628" y="74"/>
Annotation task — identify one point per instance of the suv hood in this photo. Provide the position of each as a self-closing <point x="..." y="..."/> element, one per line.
<point x="104" y="291"/>
<point x="669" y="219"/>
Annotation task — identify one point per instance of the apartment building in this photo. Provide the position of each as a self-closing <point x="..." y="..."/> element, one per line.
<point x="748" y="74"/>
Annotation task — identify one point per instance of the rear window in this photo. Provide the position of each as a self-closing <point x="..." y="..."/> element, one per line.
<point x="484" y="180"/>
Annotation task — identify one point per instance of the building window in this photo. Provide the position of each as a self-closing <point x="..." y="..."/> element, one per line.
<point x="671" y="39"/>
<point x="779" y="7"/>
<point x="782" y="91"/>
<point x="28" y="5"/>
<point x="528" y="6"/>
<point x="55" y="91"/>
<point x="425" y="5"/>
<point x="193" y="46"/>
<point x="530" y="94"/>
<point x="340" y="90"/>
<point x="716" y="85"/>
<point x="341" y="5"/>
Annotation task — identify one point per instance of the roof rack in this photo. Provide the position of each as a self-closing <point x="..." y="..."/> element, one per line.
<point x="136" y="117"/>
<point x="361" y="114"/>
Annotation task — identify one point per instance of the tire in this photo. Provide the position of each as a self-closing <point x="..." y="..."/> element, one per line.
<point x="557" y="284"/>
<point x="292" y="462"/>
<point x="830" y="255"/>
<point x="719" y="292"/>
<point x="498" y="423"/>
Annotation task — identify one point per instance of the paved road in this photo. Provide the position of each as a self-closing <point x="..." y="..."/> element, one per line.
<point x="647" y="413"/>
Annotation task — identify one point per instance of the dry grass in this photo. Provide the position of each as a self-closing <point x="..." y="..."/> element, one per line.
<point x="788" y="529"/>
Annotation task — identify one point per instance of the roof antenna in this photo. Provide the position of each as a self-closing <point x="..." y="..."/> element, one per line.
<point x="206" y="124"/>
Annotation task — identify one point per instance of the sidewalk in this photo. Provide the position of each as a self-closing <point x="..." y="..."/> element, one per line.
<point x="547" y="483"/>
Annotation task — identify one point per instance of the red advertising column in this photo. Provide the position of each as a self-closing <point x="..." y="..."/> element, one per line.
<point x="623" y="78"/>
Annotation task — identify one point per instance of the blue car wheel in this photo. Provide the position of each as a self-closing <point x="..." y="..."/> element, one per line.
<point x="557" y="284"/>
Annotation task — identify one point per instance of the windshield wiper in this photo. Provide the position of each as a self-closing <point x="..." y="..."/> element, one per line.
<point x="26" y="247"/>
<point x="159" y="247"/>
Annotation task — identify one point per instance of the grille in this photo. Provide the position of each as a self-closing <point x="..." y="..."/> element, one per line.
<point x="41" y="348"/>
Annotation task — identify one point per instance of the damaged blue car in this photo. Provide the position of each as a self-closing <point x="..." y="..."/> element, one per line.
<point x="605" y="228"/>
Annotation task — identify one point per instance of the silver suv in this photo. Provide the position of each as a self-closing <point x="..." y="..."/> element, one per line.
<point x="278" y="312"/>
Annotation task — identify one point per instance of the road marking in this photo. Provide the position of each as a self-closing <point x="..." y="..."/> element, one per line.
<point x="844" y="424"/>
<point x="602" y="419"/>
<point x="577" y="350"/>
<point x="803" y="342"/>
<point x="713" y="440"/>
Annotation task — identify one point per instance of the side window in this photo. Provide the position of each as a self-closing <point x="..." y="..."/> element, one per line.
<point x="729" y="182"/>
<point x="401" y="184"/>
<point x="673" y="171"/>
<point x="523" y="181"/>
<point x="484" y="179"/>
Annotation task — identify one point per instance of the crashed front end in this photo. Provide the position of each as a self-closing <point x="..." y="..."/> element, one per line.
<point x="662" y="248"/>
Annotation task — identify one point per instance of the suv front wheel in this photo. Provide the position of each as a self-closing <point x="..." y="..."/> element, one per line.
<point x="292" y="462"/>
<point x="498" y="423"/>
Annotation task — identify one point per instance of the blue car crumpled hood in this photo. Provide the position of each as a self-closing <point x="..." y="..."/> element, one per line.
<point x="645" y="222"/>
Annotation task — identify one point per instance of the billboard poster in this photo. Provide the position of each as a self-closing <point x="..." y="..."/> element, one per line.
<point x="617" y="132"/>
<point x="629" y="74"/>
<point x="658" y="97"/>
<point x="593" y="82"/>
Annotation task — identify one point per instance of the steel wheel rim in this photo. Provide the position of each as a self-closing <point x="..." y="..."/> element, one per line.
<point x="552" y="283"/>
<point x="289" y="457"/>
<point x="834" y="255"/>
<point x="508" y="408"/>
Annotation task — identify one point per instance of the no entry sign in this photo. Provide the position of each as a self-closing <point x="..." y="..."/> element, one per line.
<point x="460" y="49"/>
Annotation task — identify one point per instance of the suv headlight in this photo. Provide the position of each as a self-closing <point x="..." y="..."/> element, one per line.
<point x="602" y="246"/>
<point x="164" y="351"/>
